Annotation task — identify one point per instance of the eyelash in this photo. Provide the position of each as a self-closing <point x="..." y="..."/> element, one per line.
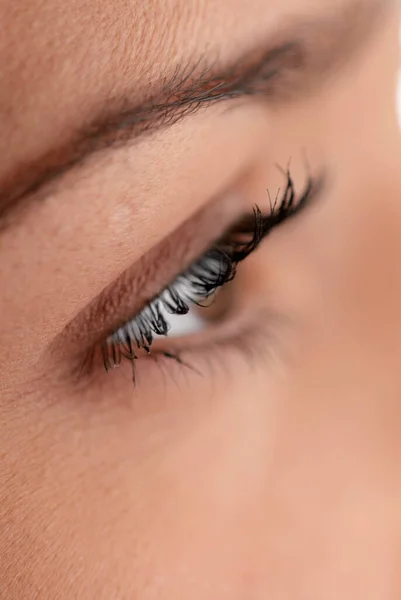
<point x="216" y="267"/>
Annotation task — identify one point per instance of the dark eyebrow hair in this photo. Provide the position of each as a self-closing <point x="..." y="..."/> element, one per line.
<point x="294" y="57"/>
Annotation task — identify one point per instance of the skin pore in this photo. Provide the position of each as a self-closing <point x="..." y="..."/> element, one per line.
<point x="133" y="135"/>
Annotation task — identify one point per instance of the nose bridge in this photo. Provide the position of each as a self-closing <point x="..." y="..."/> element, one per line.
<point x="350" y="324"/>
<point x="360" y="326"/>
<point x="375" y="273"/>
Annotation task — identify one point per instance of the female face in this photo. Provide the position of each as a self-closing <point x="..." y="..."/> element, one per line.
<point x="257" y="453"/>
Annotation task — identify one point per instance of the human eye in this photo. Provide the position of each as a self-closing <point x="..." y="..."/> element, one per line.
<point x="151" y="335"/>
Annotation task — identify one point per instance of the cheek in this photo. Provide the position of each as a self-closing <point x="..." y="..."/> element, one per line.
<point x="106" y="505"/>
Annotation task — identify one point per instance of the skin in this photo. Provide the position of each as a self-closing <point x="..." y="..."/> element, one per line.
<point x="274" y="476"/>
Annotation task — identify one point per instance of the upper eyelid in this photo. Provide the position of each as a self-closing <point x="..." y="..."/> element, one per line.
<point x="76" y="347"/>
<point x="145" y="279"/>
<point x="154" y="271"/>
<point x="138" y="332"/>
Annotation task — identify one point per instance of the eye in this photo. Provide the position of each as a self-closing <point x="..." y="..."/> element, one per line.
<point x="200" y="282"/>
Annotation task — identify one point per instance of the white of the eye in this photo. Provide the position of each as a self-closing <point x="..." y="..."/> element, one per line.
<point x="180" y="325"/>
<point x="192" y="322"/>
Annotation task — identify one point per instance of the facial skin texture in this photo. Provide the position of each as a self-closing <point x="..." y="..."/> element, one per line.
<point x="275" y="477"/>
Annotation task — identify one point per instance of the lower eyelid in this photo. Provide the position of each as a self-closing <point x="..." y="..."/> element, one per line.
<point x="251" y="336"/>
<point x="254" y="324"/>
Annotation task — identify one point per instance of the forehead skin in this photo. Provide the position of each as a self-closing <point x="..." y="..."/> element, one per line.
<point x="58" y="64"/>
<point x="58" y="61"/>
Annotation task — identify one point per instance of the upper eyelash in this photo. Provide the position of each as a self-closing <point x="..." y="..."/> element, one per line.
<point x="216" y="267"/>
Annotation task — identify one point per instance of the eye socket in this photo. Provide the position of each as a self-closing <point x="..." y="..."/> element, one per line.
<point x="202" y="279"/>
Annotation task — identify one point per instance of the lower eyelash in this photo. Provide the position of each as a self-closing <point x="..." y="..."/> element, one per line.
<point x="249" y="337"/>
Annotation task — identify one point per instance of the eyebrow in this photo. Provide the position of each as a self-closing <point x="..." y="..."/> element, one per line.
<point x="290" y="62"/>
